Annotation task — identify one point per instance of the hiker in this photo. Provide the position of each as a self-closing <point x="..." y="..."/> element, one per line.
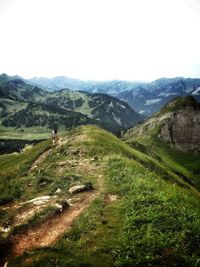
<point x="54" y="136"/>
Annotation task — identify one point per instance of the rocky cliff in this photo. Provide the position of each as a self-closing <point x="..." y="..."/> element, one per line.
<point x="182" y="128"/>
<point x="178" y="123"/>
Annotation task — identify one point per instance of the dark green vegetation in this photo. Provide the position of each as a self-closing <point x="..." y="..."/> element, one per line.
<point x="15" y="145"/>
<point x="144" y="214"/>
<point x="27" y="108"/>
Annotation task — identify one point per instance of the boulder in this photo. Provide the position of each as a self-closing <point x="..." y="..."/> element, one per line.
<point x="77" y="188"/>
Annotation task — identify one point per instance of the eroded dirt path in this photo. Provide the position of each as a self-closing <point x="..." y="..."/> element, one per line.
<point x="40" y="159"/>
<point x="47" y="233"/>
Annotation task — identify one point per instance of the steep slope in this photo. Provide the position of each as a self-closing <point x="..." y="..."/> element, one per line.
<point x="182" y="129"/>
<point x="100" y="109"/>
<point x="176" y="128"/>
<point x="99" y="106"/>
<point x="133" y="216"/>
<point x="178" y="123"/>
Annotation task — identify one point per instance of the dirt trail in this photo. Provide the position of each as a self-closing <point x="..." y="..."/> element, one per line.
<point x="40" y="159"/>
<point x="47" y="233"/>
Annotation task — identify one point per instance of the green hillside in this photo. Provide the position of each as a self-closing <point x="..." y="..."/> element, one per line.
<point x="185" y="164"/>
<point x="139" y="213"/>
<point x="28" y="109"/>
<point x="146" y="137"/>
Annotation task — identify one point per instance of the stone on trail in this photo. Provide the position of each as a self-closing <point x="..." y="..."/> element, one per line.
<point x="60" y="207"/>
<point x="39" y="200"/>
<point x="80" y="188"/>
<point x="77" y="189"/>
<point x="58" y="191"/>
<point x="5" y="230"/>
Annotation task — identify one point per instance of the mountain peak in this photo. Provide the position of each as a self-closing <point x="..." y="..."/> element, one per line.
<point x="180" y="103"/>
<point x="16" y="82"/>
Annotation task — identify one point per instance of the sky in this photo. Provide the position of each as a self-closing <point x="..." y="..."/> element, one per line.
<point x="100" y="39"/>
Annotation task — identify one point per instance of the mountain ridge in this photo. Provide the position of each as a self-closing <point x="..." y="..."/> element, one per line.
<point x="144" y="97"/>
<point x="104" y="110"/>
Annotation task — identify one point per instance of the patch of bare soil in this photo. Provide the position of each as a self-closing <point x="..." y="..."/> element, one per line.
<point x="48" y="232"/>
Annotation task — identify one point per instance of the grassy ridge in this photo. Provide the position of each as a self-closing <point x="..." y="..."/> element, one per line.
<point x="184" y="164"/>
<point x="152" y="222"/>
<point x="14" y="166"/>
<point x="104" y="143"/>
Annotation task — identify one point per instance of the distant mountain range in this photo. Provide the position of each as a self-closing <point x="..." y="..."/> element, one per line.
<point x="25" y="105"/>
<point x="145" y="98"/>
<point x="108" y="87"/>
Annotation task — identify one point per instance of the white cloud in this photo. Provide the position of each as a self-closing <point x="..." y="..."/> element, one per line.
<point x="100" y="39"/>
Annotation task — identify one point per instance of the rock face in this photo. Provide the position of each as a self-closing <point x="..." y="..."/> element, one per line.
<point x="182" y="129"/>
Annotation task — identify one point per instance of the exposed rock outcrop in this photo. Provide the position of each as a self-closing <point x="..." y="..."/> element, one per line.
<point x="178" y="123"/>
<point x="182" y="129"/>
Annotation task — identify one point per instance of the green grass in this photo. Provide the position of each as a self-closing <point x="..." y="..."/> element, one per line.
<point x="14" y="167"/>
<point x="32" y="133"/>
<point x="154" y="222"/>
<point x="184" y="164"/>
<point x="104" y="143"/>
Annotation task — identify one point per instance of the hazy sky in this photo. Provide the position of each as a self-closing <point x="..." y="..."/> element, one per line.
<point x="100" y="39"/>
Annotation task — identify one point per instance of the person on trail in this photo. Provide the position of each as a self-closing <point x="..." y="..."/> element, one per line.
<point x="54" y="136"/>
